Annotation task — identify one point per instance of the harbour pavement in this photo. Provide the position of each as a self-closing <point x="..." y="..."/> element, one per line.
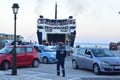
<point x="23" y="74"/>
<point x="32" y="75"/>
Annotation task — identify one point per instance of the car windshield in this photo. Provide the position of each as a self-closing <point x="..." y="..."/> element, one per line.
<point x="52" y="47"/>
<point x="102" y="53"/>
<point x="46" y="49"/>
<point x="5" y="50"/>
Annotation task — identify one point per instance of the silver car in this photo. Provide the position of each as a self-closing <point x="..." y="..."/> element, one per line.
<point x="97" y="59"/>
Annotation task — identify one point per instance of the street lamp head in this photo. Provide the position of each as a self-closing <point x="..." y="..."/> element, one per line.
<point x="15" y="8"/>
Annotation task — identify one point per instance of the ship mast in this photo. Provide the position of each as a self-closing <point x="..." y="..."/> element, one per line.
<point x="56" y="10"/>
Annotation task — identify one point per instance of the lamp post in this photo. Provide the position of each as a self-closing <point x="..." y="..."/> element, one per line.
<point x="15" y="8"/>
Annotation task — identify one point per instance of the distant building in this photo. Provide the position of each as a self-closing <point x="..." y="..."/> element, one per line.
<point x="9" y="38"/>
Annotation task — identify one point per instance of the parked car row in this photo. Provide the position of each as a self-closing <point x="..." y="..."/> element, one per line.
<point x="26" y="55"/>
<point x="96" y="59"/>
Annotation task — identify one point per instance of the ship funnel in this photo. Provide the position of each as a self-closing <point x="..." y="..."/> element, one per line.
<point x="70" y="17"/>
<point x="41" y="16"/>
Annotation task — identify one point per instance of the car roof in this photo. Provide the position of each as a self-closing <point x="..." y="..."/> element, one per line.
<point x="36" y="45"/>
<point x="91" y="48"/>
<point x="20" y="46"/>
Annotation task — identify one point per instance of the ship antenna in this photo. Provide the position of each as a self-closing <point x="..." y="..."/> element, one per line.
<point x="56" y="10"/>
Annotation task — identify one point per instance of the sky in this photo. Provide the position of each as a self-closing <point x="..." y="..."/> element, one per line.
<point x="98" y="21"/>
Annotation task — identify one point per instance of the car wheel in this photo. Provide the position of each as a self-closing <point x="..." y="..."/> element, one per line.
<point x="74" y="64"/>
<point x="5" y="65"/>
<point x="96" y="69"/>
<point x="35" y="63"/>
<point x="45" y="60"/>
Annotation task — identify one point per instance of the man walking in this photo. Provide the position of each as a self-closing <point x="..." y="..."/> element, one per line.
<point x="60" y="56"/>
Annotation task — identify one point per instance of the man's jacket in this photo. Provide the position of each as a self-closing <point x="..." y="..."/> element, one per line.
<point x="60" y="53"/>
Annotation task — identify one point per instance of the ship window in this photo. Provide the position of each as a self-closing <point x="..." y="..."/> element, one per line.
<point x="40" y="27"/>
<point x="71" y="21"/>
<point x="72" y="27"/>
<point x="74" y="22"/>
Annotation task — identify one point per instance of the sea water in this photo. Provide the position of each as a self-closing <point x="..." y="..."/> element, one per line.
<point x="101" y="45"/>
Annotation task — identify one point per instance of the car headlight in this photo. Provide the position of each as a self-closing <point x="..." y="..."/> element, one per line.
<point x="105" y="63"/>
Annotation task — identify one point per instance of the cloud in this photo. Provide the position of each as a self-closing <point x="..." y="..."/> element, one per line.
<point x="76" y="7"/>
<point x="39" y="6"/>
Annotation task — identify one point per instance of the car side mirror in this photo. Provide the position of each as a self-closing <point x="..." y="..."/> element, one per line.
<point x="88" y="54"/>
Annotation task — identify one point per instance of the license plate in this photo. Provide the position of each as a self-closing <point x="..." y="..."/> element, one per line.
<point x="117" y="67"/>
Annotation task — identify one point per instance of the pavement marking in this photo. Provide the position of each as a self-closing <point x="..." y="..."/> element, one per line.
<point x="35" y="77"/>
<point x="77" y="78"/>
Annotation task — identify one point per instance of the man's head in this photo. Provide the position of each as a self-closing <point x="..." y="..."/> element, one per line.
<point x="60" y="43"/>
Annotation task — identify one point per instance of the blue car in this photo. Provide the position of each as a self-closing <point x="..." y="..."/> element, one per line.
<point x="46" y="54"/>
<point x="97" y="59"/>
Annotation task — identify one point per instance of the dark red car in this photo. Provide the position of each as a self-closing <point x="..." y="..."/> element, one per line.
<point x="113" y="46"/>
<point x="26" y="56"/>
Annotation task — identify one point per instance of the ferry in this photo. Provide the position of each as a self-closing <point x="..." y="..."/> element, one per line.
<point x="54" y="30"/>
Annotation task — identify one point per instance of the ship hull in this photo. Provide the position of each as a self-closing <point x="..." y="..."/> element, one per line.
<point x="54" y="38"/>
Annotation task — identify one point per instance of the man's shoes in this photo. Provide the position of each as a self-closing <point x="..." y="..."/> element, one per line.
<point x="63" y="75"/>
<point x="58" y="73"/>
